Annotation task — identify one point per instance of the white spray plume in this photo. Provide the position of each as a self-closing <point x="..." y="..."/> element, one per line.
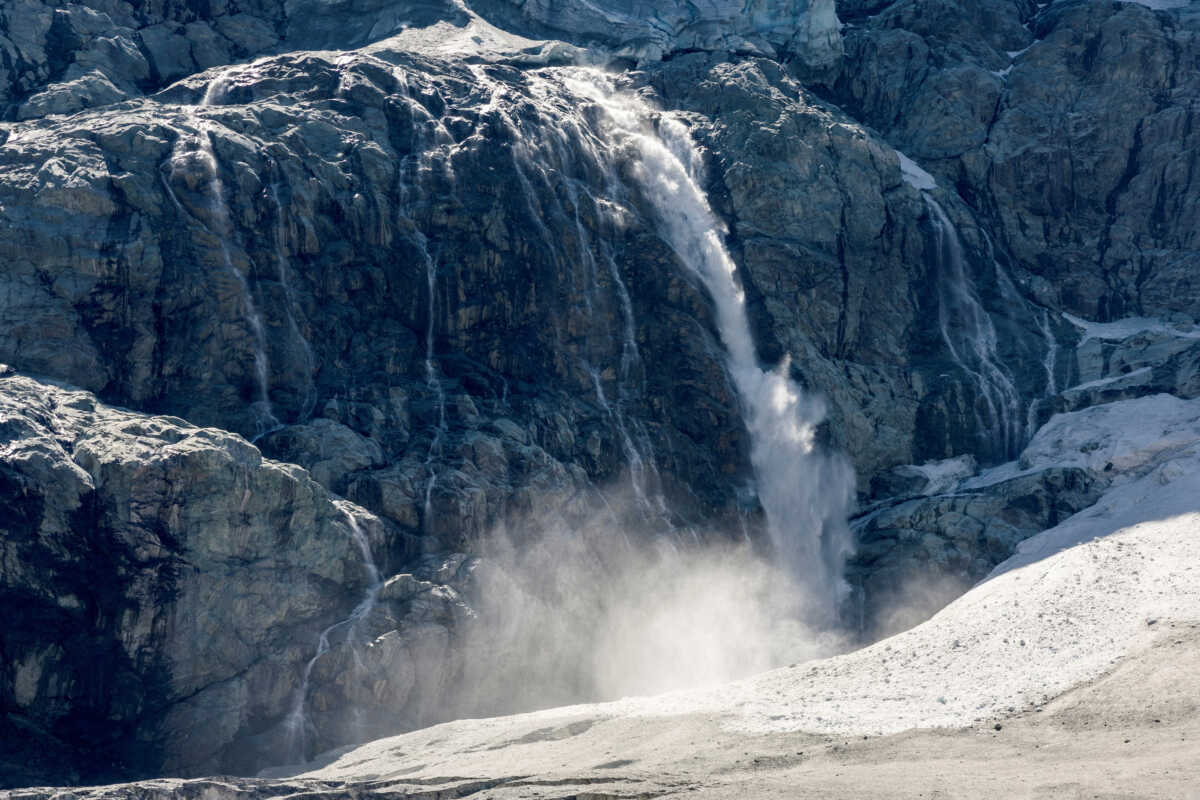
<point x="571" y="612"/>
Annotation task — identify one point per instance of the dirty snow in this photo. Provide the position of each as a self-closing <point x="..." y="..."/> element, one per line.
<point x="1130" y="326"/>
<point x="1096" y="384"/>
<point x="1132" y="435"/>
<point x="913" y="174"/>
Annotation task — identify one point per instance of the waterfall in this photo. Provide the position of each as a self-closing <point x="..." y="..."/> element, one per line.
<point x="556" y="149"/>
<point x="433" y="144"/>
<point x="804" y="492"/>
<point x="639" y="454"/>
<point x="298" y="729"/>
<point x="281" y="263"/>
<point x="1049" y="366"/>
<point x="432" y="379"/>
<point x="220" y="225"/>
<point x="971" y="340"/>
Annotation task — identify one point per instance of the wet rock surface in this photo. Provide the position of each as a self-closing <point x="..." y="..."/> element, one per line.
<point x="1067" y="127"/>
<point x="386" y="242"/>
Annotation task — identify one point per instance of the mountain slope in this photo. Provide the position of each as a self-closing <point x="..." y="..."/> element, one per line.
<point x="444" y="264"/>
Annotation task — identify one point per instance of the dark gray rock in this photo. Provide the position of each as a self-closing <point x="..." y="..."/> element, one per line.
<point x="1075" y="153"/>
<point x="419" y="269"/>
<point x="148" y="560"/>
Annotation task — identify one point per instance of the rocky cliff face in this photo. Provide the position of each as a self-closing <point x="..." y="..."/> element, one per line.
<point x="146" y="558"/>
<point x="390" y="244"/>
<point x="1068" y="127"/>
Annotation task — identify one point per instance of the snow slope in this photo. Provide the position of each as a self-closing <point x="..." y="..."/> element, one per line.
<point x="1074" y="602"/>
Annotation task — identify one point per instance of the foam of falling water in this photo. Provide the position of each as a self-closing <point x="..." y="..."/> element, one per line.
<point x="433" y="380"/>
<point x="221" y="228"/>
<point x="298" y="728"/>
<point x="804" y="493"/>
<point x="1050" y="365"/>
<point x="970" y="336"/>
<point x="281" y="263"/>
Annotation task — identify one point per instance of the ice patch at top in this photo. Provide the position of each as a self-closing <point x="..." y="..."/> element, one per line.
<point x="914" y="175"/>
<point x="648" y="31"/>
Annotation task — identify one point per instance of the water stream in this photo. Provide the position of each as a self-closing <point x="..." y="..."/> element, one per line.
<point x="300" y="734"/>
<point x="804" y="492"/>
<point x="970" y="337"/>
<point x="309" y="401"/>
<point x="220" y="225"/>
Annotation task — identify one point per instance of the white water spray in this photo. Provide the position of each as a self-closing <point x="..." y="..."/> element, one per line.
<point x="804" y="493"/>
<point x="298" y="729"/>
<point x="221" y="227"/>
<point x="970" y="336"/>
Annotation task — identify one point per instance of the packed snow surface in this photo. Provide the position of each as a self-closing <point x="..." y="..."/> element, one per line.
<point x="1120" y="329"/>
<point x="914" y="175"/>
<point x="1074" y="601"/>
<point x="1023" y="637"/>
<point x="1133" y="436"/>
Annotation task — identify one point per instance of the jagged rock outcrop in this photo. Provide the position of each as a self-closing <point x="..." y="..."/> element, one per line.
<point x="184" y="604"/>
<point x="59" y="58"/>
<point x="949" y="530"/>
<point x="919" y="554"/>
<point x="284" y="292"/>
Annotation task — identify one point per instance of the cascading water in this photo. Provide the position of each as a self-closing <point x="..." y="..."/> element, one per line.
<point x="970" y="337"/>
<point x="433" y="380"/>
<point x="805" y="494"/>
<point x="1049" y="364"/>
<point x="639" y="454"/>
<point x="432" y="149"/>
<point x="220" y="226"/>
<point x="281" y="262"/>
<point x="556" y="136"/>
<point x="298" y="728"/>
<point x="589" y="155"/>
